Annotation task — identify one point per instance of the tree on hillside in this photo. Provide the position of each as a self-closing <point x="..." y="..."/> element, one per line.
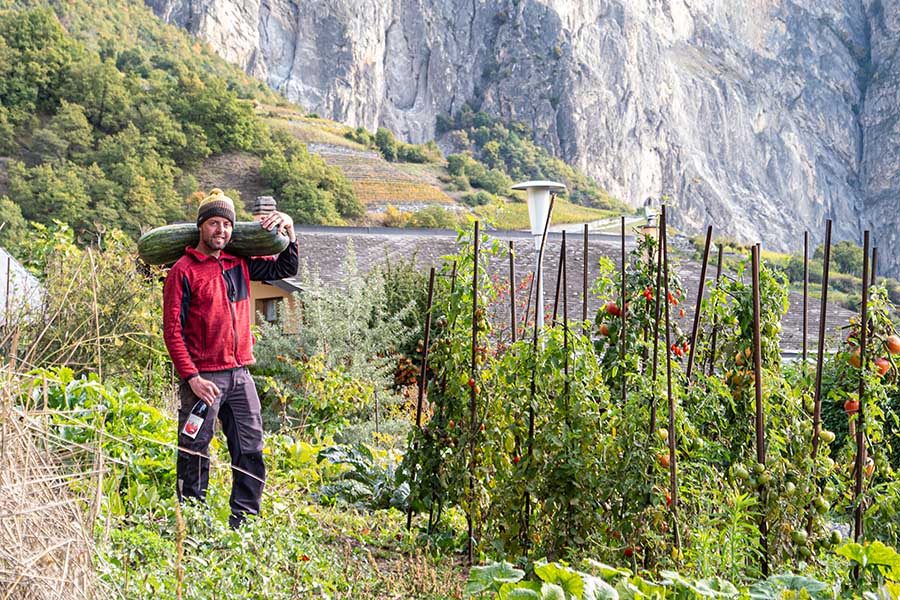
<point x="46" y="191"/>
<point x="308" y="189"/>
<point x="846" y="257"/>
<point x="35" y="54"/>
<point x="103" y="92"/>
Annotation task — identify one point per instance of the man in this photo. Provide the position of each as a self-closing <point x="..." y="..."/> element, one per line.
<point x="206" y="326"/>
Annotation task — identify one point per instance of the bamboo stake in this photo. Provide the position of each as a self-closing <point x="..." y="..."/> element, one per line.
<point x="673" y="474"/>
<point x="470" y="517"/>
<point x="861" y="415"/>
<point x="820" y="357"/>
<point x="697" y="315"/>
<point x="760" y="416"/>
<point x="423" y="374"/>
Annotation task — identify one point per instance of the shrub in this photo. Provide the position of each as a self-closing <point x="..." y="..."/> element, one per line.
<point x="480" y="198"/>
<point x="433" y="217"/>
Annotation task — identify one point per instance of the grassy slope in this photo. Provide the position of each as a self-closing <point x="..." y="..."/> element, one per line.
<point x="378" y="182"/>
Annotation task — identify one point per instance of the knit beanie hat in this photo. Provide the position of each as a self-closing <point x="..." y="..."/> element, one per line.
<point x="264" y="205"/>
<point x="217" y="204"/>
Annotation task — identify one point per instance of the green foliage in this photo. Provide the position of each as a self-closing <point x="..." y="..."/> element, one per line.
<point x="35" y="56"/>
<point x="106" y="123"/>
<point x="367" y="480"/>
<point x="99" y="312"/>
<point x="307" y="188"/>
<point x="386" y="144"/>
<point x="14" y="226"/>
<point x="332" y="354"/>
<point x="597" y="581"/>
<point x="492" y="180"/>
<point x="505" y="152"/>
<point x="480" y="198"/>
<point x="133" y="436"/>
<point x="393" y="150"/>
<point x="433" y="217"/>
<point x="7" y="132"/>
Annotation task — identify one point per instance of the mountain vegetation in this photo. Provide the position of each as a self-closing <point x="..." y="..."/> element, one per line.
<point x="105" y="120"/>
<point x="490" y="155"/>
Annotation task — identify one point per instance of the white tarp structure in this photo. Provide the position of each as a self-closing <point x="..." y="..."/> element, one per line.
<point x="20" y="291"/>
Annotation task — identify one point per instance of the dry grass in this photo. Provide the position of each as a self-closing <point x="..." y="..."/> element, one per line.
<point x="46" y="548"/>
<point x="399" y="192"/>
<point x="314" y="131"/>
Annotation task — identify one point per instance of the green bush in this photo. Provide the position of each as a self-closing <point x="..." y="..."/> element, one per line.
<point x="480" y="198"/>
<point x="433" y="217"/>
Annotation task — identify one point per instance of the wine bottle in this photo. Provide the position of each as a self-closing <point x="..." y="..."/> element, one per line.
<point x="195" y="419"/>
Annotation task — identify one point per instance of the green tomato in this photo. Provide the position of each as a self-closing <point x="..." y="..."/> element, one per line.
<point x="740" y="472"/>
<point x="799" y="537"/>
<point x="826" y="436"/>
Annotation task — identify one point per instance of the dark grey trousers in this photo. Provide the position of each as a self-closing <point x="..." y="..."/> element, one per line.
<point x="238" y="409"/>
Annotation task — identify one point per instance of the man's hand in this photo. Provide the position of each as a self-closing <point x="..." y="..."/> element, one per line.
<point x="204" y="389"/>
<point x="283" y="222"/>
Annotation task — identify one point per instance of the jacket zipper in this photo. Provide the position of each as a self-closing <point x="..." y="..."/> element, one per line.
<point x="230" y="293"/>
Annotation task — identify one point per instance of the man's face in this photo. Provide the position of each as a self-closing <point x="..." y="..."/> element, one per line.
<point x="215" y="233"/>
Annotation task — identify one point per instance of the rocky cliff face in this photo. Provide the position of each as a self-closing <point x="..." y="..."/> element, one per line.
<point x="761" y="117"/>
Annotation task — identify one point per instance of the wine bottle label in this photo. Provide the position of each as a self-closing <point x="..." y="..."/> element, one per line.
<point x="192" y="427"/>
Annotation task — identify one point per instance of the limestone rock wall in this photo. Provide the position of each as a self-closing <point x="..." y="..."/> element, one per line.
<point x="761" y="117"/>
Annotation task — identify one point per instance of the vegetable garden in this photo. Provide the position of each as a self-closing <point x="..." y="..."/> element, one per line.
<point x="628" y="453"/>
<point x="643" y="444"/>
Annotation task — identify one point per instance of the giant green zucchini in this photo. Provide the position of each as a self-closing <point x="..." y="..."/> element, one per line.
<point x="164" y="245"/>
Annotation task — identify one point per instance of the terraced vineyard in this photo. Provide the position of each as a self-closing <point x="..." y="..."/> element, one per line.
<point x="377" y="181"/>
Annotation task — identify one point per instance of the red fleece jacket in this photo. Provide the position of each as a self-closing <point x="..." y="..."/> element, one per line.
<point x="206" y="308"/>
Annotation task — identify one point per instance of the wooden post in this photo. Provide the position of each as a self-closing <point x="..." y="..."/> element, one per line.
<point x="473" y="408"/>
<point x="658" y="292"/>
<point x="622" y="311"/>
<point x="861" y="415"/>
<point x="805" y="290"/>
<point x="673" y="475"/>
<point x="423" y="373"/>
<point x="584" y="286"/>
<point x="820" y="356"/>
<point x="715" y="324"/>
<point x="559" y="271"/>
<point x="760" y="415"/>
<point x="697" y="315"/>
<point x="512" y="292"/>
<point x="533" y="388"/>
<point x="874" y="264"/>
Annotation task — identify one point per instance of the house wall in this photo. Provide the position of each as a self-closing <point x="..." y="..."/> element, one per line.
<point x="260" y="292"/>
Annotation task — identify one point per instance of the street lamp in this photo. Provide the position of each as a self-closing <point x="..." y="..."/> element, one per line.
<point x="538" y="210"/>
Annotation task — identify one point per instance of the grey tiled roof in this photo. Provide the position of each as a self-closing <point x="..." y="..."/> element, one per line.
<point x="324" y="249"/>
